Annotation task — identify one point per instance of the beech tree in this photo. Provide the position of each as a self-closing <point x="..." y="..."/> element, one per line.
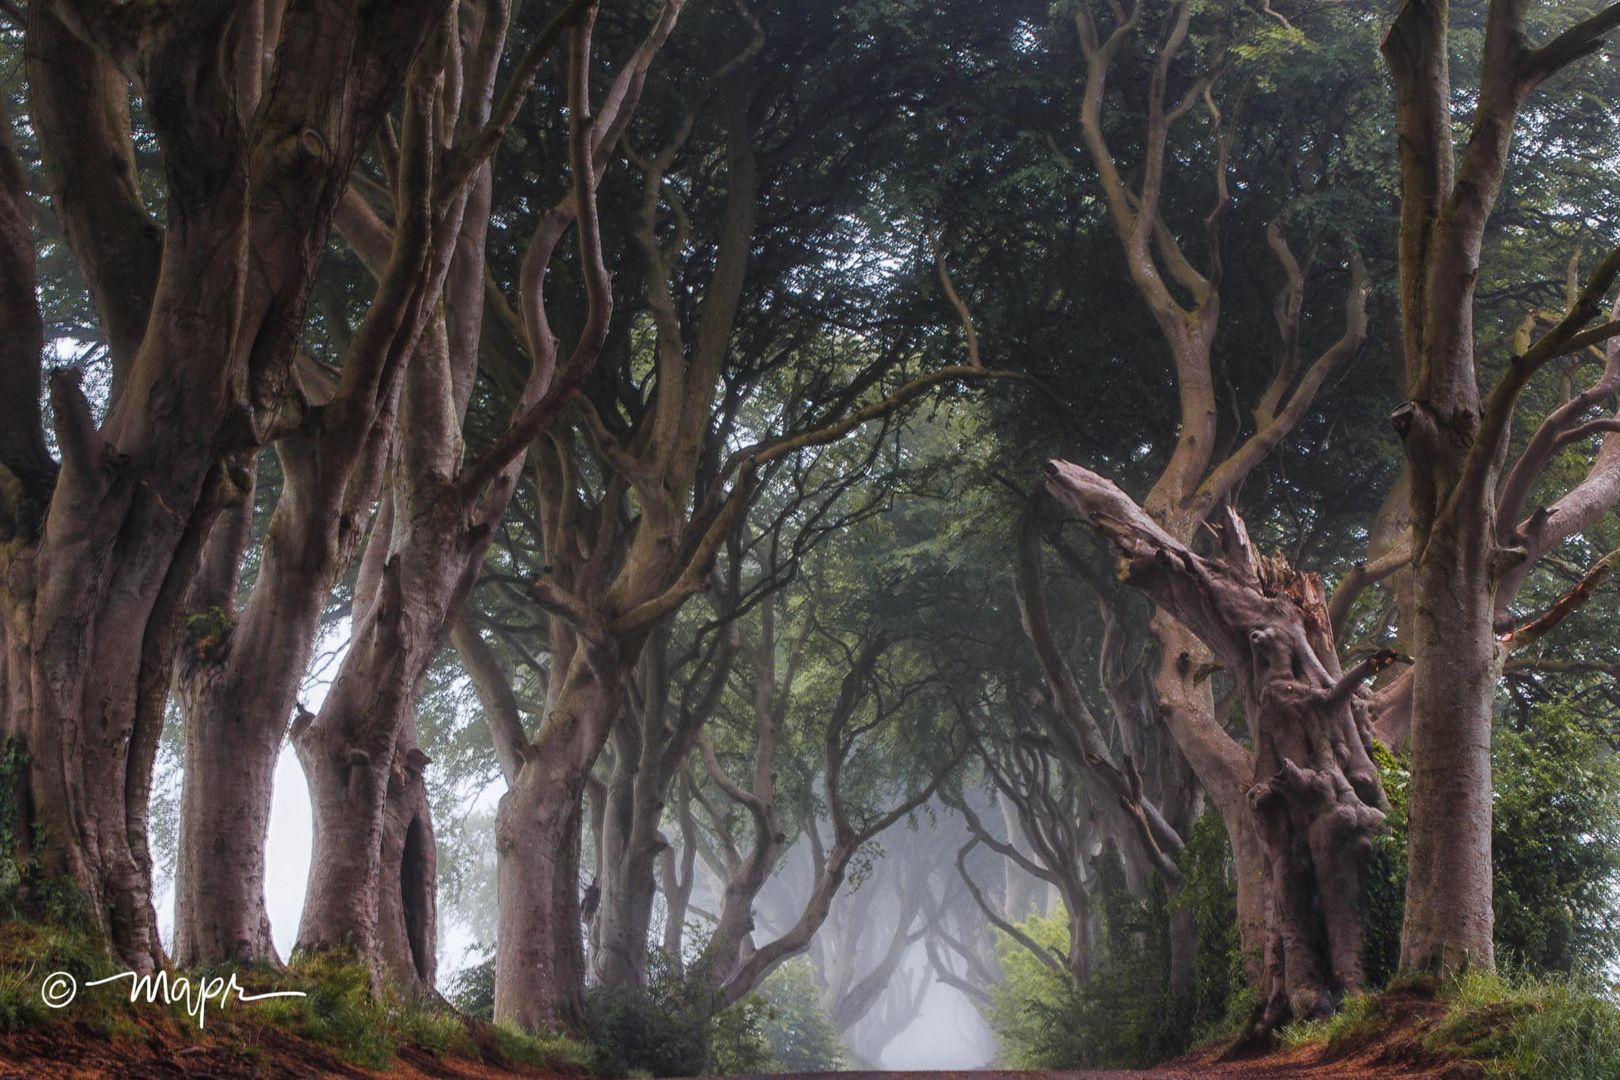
<point x="425" y="552"/>
<point x="661" y="470"/>
<point x="238" y="675"/>
<point x="1315" y="797"/>
<point x="1470" y="544"/>
<point x="202" y="314"/>
<point x="1185" y="300"/>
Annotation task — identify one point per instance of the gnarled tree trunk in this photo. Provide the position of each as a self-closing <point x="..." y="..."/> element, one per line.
<point x="1314" y="798"/>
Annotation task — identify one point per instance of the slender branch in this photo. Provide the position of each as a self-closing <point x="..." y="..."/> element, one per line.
<point x="472" y="153"/>
<point x="958" y="305"/>
<point x="1530" y="632"/>
<point x="996" y="919"/>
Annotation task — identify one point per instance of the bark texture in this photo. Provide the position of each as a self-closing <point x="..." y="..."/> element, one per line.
<point x="1184" y="300"/>
<point x="203" y="338"/>
<point x="1455" y="439"/>
<point x="1313" y="796"/>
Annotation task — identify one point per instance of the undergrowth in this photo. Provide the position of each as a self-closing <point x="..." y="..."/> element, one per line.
<point x="1357" y="1017"/>
<point x="1513" y="1026"/>
<point x="339" y="1009"/>
<point x="1527" y="1027"/>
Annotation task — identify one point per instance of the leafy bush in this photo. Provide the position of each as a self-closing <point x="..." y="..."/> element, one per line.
<point x="1120" y="1016"/>
<point x="1032" y="1008"/>
<point x="1124" y="1014"/>
<point x="1555" y="850"/>
<point x="1556" y="844"/>
<point x="676" y="1025"/>
<point x="1222" y="998"/>
<point x="1384" y="882"/>
<point x="800" y="1033"/>
<point x="739" y="1042"/>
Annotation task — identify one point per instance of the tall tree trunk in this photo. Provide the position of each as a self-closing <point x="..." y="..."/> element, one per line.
<point x="352" y="749"/>
<point x="539" y="955"/>
<point x="1449" y="921"/>
<point x="631" y="844"/>
<point x="220" y="870"/>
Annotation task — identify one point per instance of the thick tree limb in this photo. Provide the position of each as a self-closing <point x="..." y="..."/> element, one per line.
<point x="1582" y="39"/>
<point x="500" y="704"/>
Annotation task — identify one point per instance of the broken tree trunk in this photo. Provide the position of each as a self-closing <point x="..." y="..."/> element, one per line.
<point x="1315" y="797"/>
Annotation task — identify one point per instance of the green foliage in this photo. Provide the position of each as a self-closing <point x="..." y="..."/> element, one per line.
<point x="1384" y="882"/>
<point x="29" y="951"/>
<point x="675" y="1025"/>
<point x="1555" y="850"/>
<point x="1222" y="997"/>
<point x="1124" y="1014"/>
<point x="542" y="1051"/>
<point x="13" y="775"/>
<point x="1357" y="1016"/>
<point x="739" y="1042"/>
<point x="341" y="1011"/>
<point x="26" y="893"/>
<point x="338" y="1008"/>
<point x="1556" y="844"/>
<point x="801" y="1034"/>
<point x="1031" y="1009"/>
<point x="1512" y="1026"/>
<point x="206" y="631"/>
<point x="473" y="989"/>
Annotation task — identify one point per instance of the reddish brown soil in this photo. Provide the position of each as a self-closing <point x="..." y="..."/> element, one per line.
<point x="1395" y="1050"/>
<point x="163" y="1049"/>
<point x="243" y="1050"/>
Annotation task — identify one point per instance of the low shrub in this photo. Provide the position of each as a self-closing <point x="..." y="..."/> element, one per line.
<point x="801" y="1035"/>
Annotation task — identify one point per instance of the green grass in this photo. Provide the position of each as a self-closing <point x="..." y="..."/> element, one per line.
<point x="1358" y="1016"/>
<point x="339" y="1010"/>
<point x="1515" y="1027"/>
<point x="29" y="953"/>
<point x="542" y="1051"/>
<point x="1527" y="1027"/>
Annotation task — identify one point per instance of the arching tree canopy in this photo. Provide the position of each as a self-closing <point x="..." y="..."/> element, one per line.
<point x="752" y="523"/>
